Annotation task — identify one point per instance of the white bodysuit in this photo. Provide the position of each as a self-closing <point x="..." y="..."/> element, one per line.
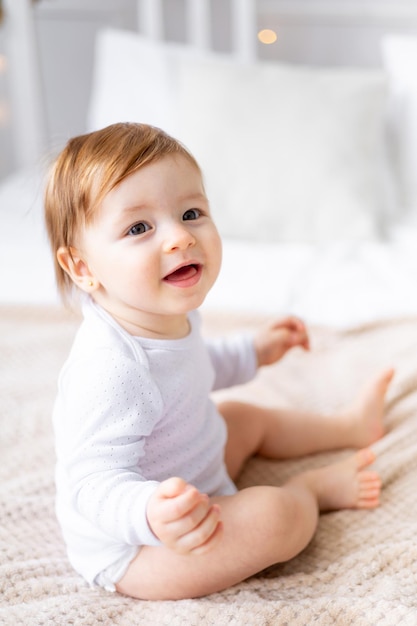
<point x="131" y="412"/>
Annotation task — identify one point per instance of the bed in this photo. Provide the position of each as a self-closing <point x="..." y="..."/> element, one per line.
<point x="311" y="170"/>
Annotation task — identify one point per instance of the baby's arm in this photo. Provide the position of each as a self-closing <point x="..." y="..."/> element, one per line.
<point x="273" y="341"/>
<point x="183" y="518"/>
<point x="237" y="357"/>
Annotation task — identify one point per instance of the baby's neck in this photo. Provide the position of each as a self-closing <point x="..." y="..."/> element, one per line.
<point x="155" y="327"/>
<point x="177" y="330"/>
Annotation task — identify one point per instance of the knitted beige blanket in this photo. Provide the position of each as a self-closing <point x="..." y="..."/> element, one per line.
<point x="361" y="567"/>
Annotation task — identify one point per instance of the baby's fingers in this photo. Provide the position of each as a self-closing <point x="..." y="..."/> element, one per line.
<point x="181" y="526"/>
<point x="298" y="333"/>
<point x="191" y="503"/>
<point x="175" y="498"/>
<point x="301" y="339"/>
<point x="172" y="487"/>
<point x="290" y="322"/>
<point x="202" y="537"/>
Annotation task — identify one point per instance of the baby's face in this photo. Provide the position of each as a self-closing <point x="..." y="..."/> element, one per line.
<point x="153" y="248"/>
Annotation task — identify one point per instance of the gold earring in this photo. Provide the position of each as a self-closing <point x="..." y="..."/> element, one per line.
<point x="90" y="283"/>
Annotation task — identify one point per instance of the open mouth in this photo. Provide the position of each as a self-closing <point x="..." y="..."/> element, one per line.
<point x="184" y="274"/>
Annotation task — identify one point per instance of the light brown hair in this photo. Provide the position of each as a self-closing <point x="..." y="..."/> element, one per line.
<point x="87" y="169"/>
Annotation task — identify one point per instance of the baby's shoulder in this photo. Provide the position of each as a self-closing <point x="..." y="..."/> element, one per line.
<point x="100" y="340"/>
<point x="101" y="357"/>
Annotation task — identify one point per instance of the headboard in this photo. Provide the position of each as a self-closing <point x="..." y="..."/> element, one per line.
<point x="200" y="24"/>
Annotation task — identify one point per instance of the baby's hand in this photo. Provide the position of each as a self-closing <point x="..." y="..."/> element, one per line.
<point x="183" y="518"/>
<point x="275" y="340"/>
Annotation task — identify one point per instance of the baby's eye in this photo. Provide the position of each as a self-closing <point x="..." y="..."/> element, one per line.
<point x="191" y="214"/>
<point x="138" y="229"/>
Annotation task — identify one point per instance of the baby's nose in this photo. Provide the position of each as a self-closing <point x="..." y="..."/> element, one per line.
<point x="178" y="237"/>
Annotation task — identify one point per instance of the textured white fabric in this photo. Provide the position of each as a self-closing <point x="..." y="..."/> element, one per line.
<point x="131" y="412"/>
<point x="359" y="570"/>
<point x="109" y="577"/>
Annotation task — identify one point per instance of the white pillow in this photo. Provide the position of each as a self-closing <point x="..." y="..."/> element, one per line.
<point x="289" y="153"/>
<point x="134" y="79"/>
<point x="324" y="187"/>
<point x="400" y="60"/>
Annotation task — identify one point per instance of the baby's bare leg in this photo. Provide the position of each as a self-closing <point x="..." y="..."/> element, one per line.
<point x="261" y="526"/>
<point x="285" y="433"/>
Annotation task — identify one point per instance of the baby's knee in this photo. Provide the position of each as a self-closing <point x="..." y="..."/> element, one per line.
<point x="294" y="522"/>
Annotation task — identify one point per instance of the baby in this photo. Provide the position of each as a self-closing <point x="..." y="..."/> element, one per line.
<point x="146" y="461"/>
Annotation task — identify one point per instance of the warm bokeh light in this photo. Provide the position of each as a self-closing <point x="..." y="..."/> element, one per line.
<point x="267" y="36"/>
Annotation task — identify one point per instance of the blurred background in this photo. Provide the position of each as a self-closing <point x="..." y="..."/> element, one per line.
<point x="55" y="87"/>
<point x="332" y="122"/>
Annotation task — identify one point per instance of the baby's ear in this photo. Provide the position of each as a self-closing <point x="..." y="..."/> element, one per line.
<point x="77" y="269"/>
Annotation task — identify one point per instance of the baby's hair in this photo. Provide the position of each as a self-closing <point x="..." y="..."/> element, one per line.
<point x="88" y="168"/>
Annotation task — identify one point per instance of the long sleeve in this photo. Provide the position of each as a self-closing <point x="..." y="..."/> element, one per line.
<point x="233" y="359"/>
<point x="111" y="406"/>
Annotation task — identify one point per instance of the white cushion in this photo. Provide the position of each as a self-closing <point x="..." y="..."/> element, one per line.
<point x="134" y="79"/>
<point x="289" y="153"/>
<point x="400" y="60"/>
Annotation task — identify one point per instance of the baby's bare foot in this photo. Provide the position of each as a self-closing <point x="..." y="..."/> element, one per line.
<point x="365" y="417"/>
<point x="345" y="484"/>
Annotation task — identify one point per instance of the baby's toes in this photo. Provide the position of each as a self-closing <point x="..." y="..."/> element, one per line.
<point x="369" y="489"/>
